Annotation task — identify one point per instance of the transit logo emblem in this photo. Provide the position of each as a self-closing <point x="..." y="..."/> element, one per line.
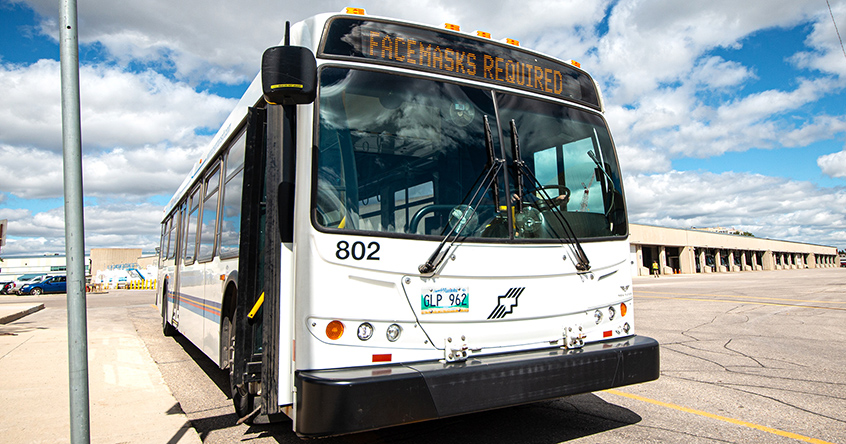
<point x="506" y="303"/>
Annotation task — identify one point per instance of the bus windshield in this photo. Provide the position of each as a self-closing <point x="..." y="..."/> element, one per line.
<point x="402" y="156"/>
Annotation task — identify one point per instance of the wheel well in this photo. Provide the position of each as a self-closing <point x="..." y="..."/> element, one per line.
<point x="229" y="298"/>
<point x="164" y="291"/>
<point x="227" y="310"/>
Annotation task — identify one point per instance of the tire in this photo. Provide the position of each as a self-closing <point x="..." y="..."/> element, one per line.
<point x="242" y="400"/>
<point x="36" y="291"/>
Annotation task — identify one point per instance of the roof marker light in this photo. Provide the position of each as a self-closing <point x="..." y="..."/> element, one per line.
<point x="355" y="11"/>
<point x="452" y="27"/>
<point x="575" y="63"/>
<point x="512" y="42"/>
<point x="484" y="34"/>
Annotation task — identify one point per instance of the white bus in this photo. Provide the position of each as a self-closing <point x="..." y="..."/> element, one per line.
<point x="400" y="223"/>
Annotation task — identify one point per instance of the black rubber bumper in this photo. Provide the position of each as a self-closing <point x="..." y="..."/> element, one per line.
<point x="333" y="402"/>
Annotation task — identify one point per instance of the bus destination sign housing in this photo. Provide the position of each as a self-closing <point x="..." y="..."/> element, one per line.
<point x="455" y="54"/>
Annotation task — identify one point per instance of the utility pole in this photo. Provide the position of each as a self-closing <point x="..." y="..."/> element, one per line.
<point x="74" y="229"/>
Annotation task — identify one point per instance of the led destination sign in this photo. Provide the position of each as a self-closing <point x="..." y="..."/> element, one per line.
<point x="454" y="54"/>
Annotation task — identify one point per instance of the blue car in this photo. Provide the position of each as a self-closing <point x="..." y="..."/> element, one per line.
<point x="50" y="284"/>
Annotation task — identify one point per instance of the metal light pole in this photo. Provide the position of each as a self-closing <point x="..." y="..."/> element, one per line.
<point x="74" y="229"/>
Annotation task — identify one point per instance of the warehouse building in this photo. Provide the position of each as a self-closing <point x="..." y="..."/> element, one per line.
<point x="680" y="251"/>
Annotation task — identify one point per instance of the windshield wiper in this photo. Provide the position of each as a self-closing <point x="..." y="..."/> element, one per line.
<point x="488" y="177"/>
<point x="601" y="167"/>
<point x="582" y="261"/>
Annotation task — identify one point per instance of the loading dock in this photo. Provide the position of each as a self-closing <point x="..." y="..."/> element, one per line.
<point x="681" y="251"/>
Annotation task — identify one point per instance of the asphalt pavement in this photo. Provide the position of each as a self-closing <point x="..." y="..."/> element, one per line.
<point x="745" y="357"/>
<point x="129" y="401"/>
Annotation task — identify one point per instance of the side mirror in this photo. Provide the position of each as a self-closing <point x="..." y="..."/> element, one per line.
<point x="288" y="75"/>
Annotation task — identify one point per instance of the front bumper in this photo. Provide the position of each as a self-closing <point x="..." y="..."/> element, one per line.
<point x="334" y="402"/>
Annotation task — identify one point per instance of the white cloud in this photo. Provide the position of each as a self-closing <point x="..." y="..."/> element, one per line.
<point x="30" y="173"/>
<point x="827" y="50"/>
<point x="765" y="206"/>
<point x="106" y="225"/>
<point x="118" y="108"/>
<point x="667" y="97"/>
<point x="833" y="165"/>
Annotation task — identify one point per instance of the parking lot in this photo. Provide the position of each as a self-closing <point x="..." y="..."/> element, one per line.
<point x="746" y="357"/>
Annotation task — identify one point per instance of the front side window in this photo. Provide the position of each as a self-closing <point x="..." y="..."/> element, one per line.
<point x="405" y="156"/>
<point x="230" y="213"/>
<point x="208" y="226"/>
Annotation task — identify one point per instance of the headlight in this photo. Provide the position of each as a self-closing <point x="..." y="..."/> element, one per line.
<point x="365" y="331"/>
<point x="598" y="315"/>
<point x="394" y="332"/>
<point x="611" y="313"/>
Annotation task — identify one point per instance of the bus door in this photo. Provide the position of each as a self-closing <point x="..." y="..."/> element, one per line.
<point x="262" y="358"/>
<point x="180" y="239"/>
<point x="246" y="372"/>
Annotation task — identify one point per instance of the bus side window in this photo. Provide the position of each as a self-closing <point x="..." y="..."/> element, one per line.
<point x="171" y="236"/>
<point x="209" y="220"/>
<point x="190" y="250"/>
<point x="165" y="241"/>
<point x="230" y="212"/>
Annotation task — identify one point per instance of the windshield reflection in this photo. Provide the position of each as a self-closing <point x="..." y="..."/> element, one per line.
<point x="399" y="155"/>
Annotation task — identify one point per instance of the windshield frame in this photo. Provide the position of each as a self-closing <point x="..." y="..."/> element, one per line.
<point x="501" y="147"/>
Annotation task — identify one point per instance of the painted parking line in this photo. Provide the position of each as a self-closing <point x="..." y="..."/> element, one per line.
<point x="719" y="418"/>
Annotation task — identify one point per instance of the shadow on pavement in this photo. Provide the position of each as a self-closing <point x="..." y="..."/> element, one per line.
<point x="553" y="421"/>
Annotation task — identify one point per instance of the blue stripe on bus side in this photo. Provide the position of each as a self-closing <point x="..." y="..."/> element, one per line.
<point x="205" y="308"/>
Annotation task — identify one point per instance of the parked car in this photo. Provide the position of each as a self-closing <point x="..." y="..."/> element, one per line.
<point x="30" y="278"/>
<point x="51" y="284"/>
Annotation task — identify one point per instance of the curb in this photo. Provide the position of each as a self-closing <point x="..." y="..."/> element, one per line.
<point x="14" y="316"/>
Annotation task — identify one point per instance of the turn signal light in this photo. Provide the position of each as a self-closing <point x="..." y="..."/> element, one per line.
<point x="335" y="330"/>
<point x="623" y="309"/>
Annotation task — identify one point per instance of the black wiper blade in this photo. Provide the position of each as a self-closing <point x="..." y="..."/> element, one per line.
<point x="519" y="166"/>
<point x="492" y="160"/>
<point x="601" y="167"/>
<point x="489" y="176"/>
<point x="582" y="261"/>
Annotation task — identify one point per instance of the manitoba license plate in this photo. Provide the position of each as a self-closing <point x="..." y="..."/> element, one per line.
<point x="444" y="300"/>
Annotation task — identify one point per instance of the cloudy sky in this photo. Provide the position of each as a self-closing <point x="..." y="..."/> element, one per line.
<point x="725" y="113"/>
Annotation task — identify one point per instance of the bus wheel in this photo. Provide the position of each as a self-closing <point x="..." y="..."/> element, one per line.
<point x="242" y="399"/>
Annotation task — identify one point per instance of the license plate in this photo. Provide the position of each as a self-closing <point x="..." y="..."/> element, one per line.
<point x="444" y="300"/>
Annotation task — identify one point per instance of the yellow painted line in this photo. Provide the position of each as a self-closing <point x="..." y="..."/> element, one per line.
<point x="720" y="418"/>
<point x="743" y="302"/>
<point x="740" y="296"/>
